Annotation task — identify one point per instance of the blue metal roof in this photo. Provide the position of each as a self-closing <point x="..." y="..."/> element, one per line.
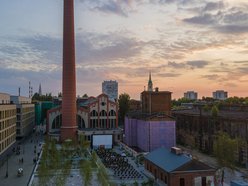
<point x="167" y="160"/>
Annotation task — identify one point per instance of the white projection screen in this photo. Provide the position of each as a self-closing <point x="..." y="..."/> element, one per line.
<point x="105" y="141"/>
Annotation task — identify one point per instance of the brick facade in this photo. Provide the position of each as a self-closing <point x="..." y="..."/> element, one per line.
<point x="157" y="101"/>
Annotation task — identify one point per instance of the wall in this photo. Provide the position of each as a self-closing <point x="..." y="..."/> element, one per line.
<point x="149" y="135"/>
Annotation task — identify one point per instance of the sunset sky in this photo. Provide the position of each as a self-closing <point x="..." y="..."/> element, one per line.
<point x="198" y="45"/>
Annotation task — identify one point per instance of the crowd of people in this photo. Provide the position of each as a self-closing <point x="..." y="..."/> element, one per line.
<point x="118" y="164"/>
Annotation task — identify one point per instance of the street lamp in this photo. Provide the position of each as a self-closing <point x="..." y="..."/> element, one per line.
<point x="7" y="170"/>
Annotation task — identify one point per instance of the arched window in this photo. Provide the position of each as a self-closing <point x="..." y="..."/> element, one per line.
<point x="103" y="113"/>
<point x="57" y="122"/>
<point x="112" y="113"/>
<point x="81" y="123"/>
<point x="93" y="113"/>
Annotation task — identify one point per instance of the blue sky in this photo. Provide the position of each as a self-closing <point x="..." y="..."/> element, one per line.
<point x="199" y="45"/>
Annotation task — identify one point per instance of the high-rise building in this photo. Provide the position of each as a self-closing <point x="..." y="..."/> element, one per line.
<point x="190" y="95"/>
<point x="7" y="125"/>
<point x="220" y="94"/>
<point x="110" y="88"/>
<point x="69" y="126"/>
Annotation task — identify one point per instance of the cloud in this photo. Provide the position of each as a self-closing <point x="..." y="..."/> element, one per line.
<point x="197" y="63"/>
<point x="118" y="7"/>
<point x="176" y="65"/>
<point x="225" y="20"/>
<point x="99" y="48"/>
<point x="205" y="19"/>
<point x="211" y="77"/>
<point x="168" y="74"/>
<point x="210" y="6"/>
<point x="232" y="29"/>
<point x="112" y="7"/>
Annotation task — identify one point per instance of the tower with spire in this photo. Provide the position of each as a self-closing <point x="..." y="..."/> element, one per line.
<point x="40" y="92"/>
<point x="150" y="85"/>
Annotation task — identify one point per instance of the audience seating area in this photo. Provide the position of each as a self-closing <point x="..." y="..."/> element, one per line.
<point x="118" y="164"/>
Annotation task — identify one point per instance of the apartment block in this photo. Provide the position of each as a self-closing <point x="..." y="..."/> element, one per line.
<point x="25" y="115"/>
<point x="7" y="124"/>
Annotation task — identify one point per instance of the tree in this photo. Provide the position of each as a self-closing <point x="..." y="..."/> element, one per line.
<point x="224" y="150"/>
<point x="123" y="105"/>
<point x="86" y="171"/>
<point x="214" y="111"/>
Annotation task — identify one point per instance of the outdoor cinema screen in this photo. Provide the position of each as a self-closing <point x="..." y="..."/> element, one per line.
<point x="105" y="141"/>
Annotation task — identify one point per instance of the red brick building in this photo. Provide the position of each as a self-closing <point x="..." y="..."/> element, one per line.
<point x="175" y="168"/>
<point x="156" y="101"/>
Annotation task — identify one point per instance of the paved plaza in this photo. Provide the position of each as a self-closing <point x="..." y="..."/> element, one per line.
<point x="27" y="153"/>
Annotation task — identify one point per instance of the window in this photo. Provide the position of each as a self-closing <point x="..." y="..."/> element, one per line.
<point x="112" y="113"/>
<point x="93" y="113"/>
<point x="103" y="113"/>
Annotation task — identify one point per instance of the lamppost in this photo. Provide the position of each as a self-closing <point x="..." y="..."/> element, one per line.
<point x="7" y="170"/>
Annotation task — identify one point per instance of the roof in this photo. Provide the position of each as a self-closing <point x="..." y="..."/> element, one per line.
<point x="195" y="165"/>
<point x="167" y="160"/>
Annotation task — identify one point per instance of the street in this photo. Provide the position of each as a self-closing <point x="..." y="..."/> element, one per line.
<point x="24" y="160"/>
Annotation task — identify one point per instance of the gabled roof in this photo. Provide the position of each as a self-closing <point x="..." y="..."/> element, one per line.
<point x="194" y="165"/>
<point x="167" y="160"/>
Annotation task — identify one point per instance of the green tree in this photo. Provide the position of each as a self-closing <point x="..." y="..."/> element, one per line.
<point x="86" y="171"/>
<point x="224" y="150"/>
<point x="214" y="111"/>
<point x="123" y="105"/>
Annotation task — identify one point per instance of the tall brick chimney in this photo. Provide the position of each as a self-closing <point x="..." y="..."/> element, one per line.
<point x="69" y="126"/>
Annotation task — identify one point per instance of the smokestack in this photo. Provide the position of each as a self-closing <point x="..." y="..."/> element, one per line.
<point x="69" y="126"/>
<point x="19" y="91"/>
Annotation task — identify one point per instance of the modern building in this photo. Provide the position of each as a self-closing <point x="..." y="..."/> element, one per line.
<point x="110" y="88"/>
<point x="7" y="125"/>
<point x="25" y="115"/>
<point x="220" y="95"/>
<point x="190" y="95"/>
<point x="69" y="109"/>
<point x="148" y="132"/>
<point x="20" y="100"/>
<point x="96" y="115"/>
<point x="173" y="167"/>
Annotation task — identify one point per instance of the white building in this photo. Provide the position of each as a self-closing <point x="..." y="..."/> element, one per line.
<point x="190" y="95"/>
<point x="220" y="94"/>
<point x="110" y="88"/>
<point x="20" y="100"/>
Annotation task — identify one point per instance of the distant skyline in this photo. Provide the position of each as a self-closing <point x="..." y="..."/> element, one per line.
<point x="198" y="45"/>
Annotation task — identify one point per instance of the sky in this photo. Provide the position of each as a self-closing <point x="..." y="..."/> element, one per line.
<point x="199" y="45"/>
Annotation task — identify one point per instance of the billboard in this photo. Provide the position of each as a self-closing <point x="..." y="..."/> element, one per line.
<point x="105" y="141"/>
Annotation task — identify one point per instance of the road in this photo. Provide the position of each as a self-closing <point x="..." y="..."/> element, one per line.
<point x="27" y="153"/>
